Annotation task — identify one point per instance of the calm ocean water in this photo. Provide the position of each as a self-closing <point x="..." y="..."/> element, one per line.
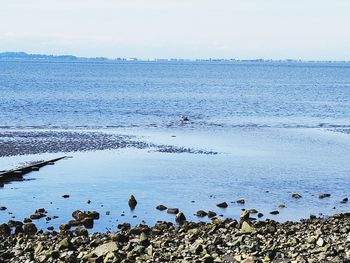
<point x="278" y="128"/>
<point x="68" y="95"/>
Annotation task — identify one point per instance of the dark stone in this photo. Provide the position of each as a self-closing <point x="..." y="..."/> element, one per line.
<point x="74" y="223"/>
<point x="173" y="210"/>
<point x="29" y="229"/>
<point x="93" y="215"/>
<point x="161" y="207"/>
<point x="240" y="201"/>
<point x="201" y="213"/>
<point x="132" y="202"/>
<point x="5" y="230"/>
<point x="344" y="201"/>
<point x="260" y="215"/>
<point x="81" y="231"/>
<point x="211" y="214"/>
<point x="3" y="208"/>
<point x="222" y="205"/>
<point x="321" y="196"/>
<point x="88" y="222"/>
<point x="12" y="223"/>
<point x="180" y="218"/>
<point x="66" y="196"/>
<point x="65" y="227"/>
<point x="296" y="196"/>
<point x="18" y="230"/>
<point x="274" y="212"/>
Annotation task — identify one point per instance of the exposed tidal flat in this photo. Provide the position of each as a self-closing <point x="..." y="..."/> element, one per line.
<point x="252" y="169"/>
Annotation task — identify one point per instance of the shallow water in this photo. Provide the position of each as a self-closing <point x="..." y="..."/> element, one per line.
<point x="250" y="162"/>
<point x="278" y="128"/>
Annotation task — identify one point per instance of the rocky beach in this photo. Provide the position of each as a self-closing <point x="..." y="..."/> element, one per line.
<point x="247" y="240"/>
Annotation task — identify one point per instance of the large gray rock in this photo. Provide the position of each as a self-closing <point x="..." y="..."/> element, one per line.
<point x="105" y="248"/>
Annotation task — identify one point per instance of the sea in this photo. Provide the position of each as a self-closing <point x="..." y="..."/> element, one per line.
<point x="259" y="131"/>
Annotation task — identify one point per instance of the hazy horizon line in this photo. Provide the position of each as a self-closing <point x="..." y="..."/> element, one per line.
<point x="121" y="58"/>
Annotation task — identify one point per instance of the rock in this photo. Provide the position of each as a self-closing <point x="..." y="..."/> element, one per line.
<point x="18" y="230"/>
<point x="320" y="242"/>
<point x="105" y="249"/>
<point x="144" y="239"/>
<point x="37" y="216"/>
<point x="240" y="201"/>
<point x="12" y="223"/>
<point x="244" y="217"/>
<point x="222" y="205"/>
<point x="78" y="215"/>
<point x="65" y="196"/>
<point x="27" y="220"/>
<point x="282" y="206"/>
<point x="344" y="201"/>
<point x="94" y="215"/>
<point x="274" y="212"/>
<point x="81" y="231"/>
<point x="180" y="218"/>
<point x="50" y="228"/>
<point x="132" y="202"/>
<point x="87" y="222"/>
<point x="173" y="210"/>
<point x="247" y="228"/>
<point x="63" y="244"/>
<point x="3" y="208"/>
<point x="5" y="230"/>
<point x="296" y="195"/>
<point x="64" y="227"/>
<point x="321" y="196"/>
<point x="211" y="214"/>
<point x="253" y="211"/>
<point x="260" y="215"/>
<point x="201" y="213"/>
<point x="196" y="249"/>
<point x="29" y="229"/>
<point x="74" y="223"/>
<point x="161" y="207"/>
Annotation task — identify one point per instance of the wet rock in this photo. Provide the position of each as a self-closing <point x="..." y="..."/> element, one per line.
<point x="201" y="213"/>
<point x="81" y="231"/>
<point x="18" y="230"/>
<point x="3" y="208"/>
<point x="94" y="215"/>
<point x="29" y="229"/>
<point x="260" y="215"/>
<point x="211" y="214"/>
<point x="5" y="230"/>
<point x="222" y="205"/>
<point x="296" y="196"/>
<point x="50" y="228"/>
<point x="282" y="206"/>
<point x="244" y="217"/>
<point x="344" y="201"/>
<point x="13" y="223"/>
<point x="180" y="218"/>
<point x="73" y="223"/>
<point x="161" y="207"/>
<point x="240" y="201"/>
<point x="274" y="212"/>
<point x="132" y="202"/>
<point x="65" y="196"/>
<point x="64" y="227"/>
<point x="87" y="222"/>
<point x="322" y="196"/>
<point x="173" y="210"/>
<point x="27" y="220"/>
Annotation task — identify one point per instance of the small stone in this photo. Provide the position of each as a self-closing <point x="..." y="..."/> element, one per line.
<point x="161" y="207"/>
<point x="29" y="229"/>
<point x="63" y="244"/>
<point x="5" y="230"/>
<point x="344" y="201"/>
<point x="173" y="210"/>
<point x="132" y="202"/>
<point x="274" y="212"/>
<point x="321" y="196"/>
<point x="260" y="215"/>
<point x="81" y="231"/>
<point x="64" y="227"/>
<point x="88" y="222"/>
<point x="282" y="206"/>
<point x="296" y="196"/>
<point x="211" y="214"/>
<point x="65" y="196"/>
<point x="240" y="201"/>
<point x="222" y="205"/>
<point x="201" y="213"/>
<point x="3" y="208"/>
<point x="144" y="239"/>
<point x="320" y="242"/>
<point x="180" y="218"/>
<point x="247" y="228"/>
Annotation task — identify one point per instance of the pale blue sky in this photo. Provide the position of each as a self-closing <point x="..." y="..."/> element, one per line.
<point x="277" y="29"/>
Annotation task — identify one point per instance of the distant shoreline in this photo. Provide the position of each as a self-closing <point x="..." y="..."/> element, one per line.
<point x="23" y="56"/>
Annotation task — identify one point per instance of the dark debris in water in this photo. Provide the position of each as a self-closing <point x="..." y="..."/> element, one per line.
<point x="34" y="142"/>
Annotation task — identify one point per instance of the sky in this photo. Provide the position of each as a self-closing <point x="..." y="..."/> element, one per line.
<point x="241" y="29"/>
